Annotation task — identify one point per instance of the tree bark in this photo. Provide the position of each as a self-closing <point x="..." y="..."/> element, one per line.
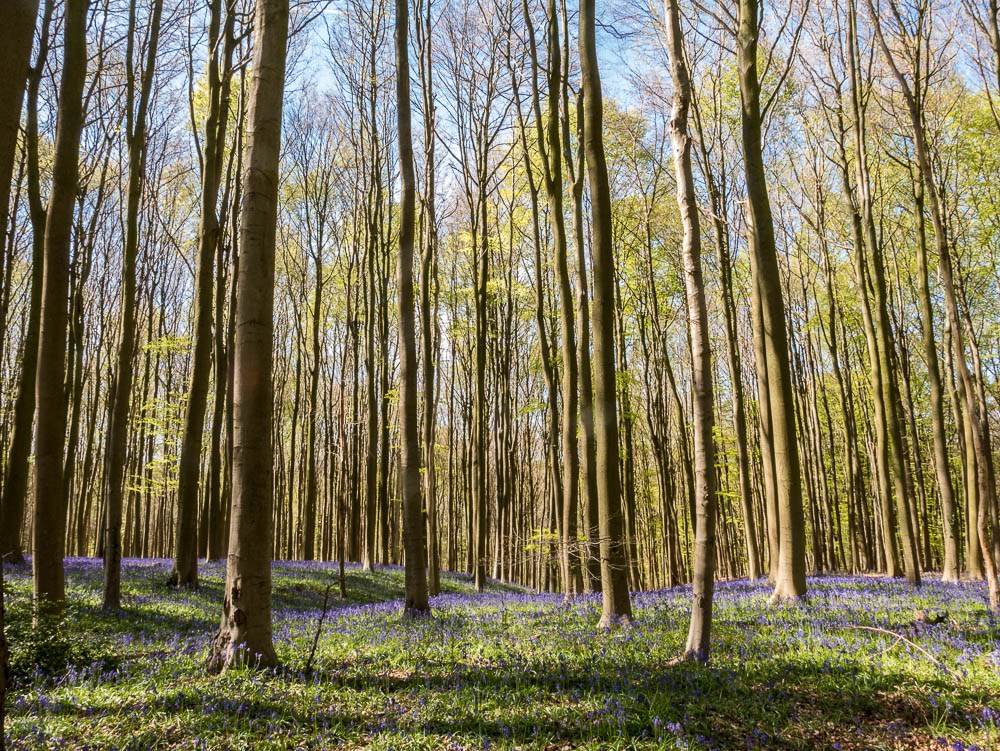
<point x="616" y="604"/>
<point x="50" y="428"/>
<point x="244" y="636"/>
<point x="700" y="630"/>
<point x="790" y="580"/>
<point x="135" y="119"/>
<point x="220" y="50"/>
<point x="414" y="532"/>
<point x="19" y="25"/>
<point x="15" y="484"/>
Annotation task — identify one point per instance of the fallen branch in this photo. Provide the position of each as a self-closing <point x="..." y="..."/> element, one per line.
<point x="902" y="638"/>
<point x="319" y="627"/>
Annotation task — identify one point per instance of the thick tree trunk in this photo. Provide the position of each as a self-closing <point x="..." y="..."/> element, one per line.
<point x="244" y="636"/>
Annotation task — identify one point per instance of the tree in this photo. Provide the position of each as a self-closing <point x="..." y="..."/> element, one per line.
<point x="137" y="95"/>
<point x="548" y="132"/>
<point x="414" y="532"/>
<point x="616" y="604"/>
<point x="16" y="470"/>
<point x="19" y="22"/>
<point x="244" y="636"/>
<point x="428" y="279"/>
<point x="50" y="420"/>
<point x="911" y="29"/>
<point x="699" y="633"/>
<point x="221" y="43"/>
<point x="769" y="321"/>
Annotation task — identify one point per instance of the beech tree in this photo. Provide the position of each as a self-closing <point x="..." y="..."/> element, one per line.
<point x="219" y="74"/>
<point x="699" y="635"/>
<point x="20" y="25"/>
<point x="414" y="531"/>
<point x="50" y="418"/>
<point x="771" y="340"/>
<point x="138" y="89"/>
<point x="244" y="635"/>
<point x="616" y="604"/>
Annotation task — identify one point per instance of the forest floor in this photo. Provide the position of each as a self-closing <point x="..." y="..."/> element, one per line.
<point x="506" y="669"/>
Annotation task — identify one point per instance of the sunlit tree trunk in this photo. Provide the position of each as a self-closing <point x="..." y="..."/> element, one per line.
<point x="911" y="81"/>
<point x="428" y="282"/>
<point x="137" y="103"/>
<point x="219" y="74"/>
<point x="616" y="604"/>
<point x="790" y="582"/>
<point x="700" y="630"/>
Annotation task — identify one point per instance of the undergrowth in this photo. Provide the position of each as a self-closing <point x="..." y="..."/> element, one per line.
<point x="851" y="668"/>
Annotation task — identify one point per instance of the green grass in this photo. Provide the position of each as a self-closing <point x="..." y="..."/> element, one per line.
<point x="505" y="669"/>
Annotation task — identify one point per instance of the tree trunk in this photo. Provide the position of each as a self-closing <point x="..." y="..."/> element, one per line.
<point x="616" y="604"/>
<point x="414" y="532"/>
<point x="50" y="429"/>
<point x="790" y="576"/>
<point x="185" y="566"/>
<point x="244" y="636"/>
<point x="700" y="630"/>
<point x="428" y="271"/>
<point x="20" y="25"/>
<point x="15" y="485"/>
<point x="135" y="118"/>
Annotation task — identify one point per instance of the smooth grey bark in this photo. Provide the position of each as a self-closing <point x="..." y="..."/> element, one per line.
<point x="942" y="469"/>
<point x="428" y="279"/>
<point x="221" y="43"/>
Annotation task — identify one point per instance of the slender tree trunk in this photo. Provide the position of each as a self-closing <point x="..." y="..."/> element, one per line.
<point x="414" y="532"/>
<point x="19" y="27"/>
<point x="479" y="420"/>
<point x="700" y="630"/>
<point x="15" y="484"/>
<point x="50" y="424"/>
<point x="309" y="510"/>
<point x="220" y="49"/>
<point x="616" y="604"/>
<point x="135" y="118"/>
<point x="790" y="577"/>
<point x="428" y="280"/>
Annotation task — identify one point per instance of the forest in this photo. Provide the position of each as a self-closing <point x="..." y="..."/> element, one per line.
<point x="503" y="373"/>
